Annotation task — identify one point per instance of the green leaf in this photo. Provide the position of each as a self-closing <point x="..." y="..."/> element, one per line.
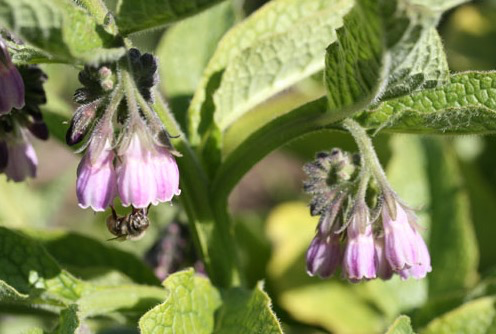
<point x="69" y="321"/>
<point x="25" y="55"/>
<point x="466" y="105"/>
<point x="417" y="59"/>
<point x="78" y="251"/>
<point x="183" y="55"/>
<point x="189" y="308"/>
<point x="30" y="276"/>
<point x="401" y="326"/>
<point x="275" y="47"/>
<point x="452" y="241"/>
<point x="27" y="268"/>
<point x="129" y="299"/>
<point x="137" y="15"/>
<point x="59" y="27"/>
<point x="354" y="65"/>
<point x="246" y="312"/>
<point x="476" y="317"/>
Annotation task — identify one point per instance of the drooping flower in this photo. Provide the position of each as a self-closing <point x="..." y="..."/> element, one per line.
<point x="378" y="233"/>
<point x="21" y="159"/>
<point x="382" y="266"/>
<point x="147" y="172"/>
<point x="401" y="248"/>
<point x="96" y="177"/>
<point x="359" y="256"/>
<point x="324" y="255"/>
<point x="423" y="265"/>
<point x="11" y="83"/>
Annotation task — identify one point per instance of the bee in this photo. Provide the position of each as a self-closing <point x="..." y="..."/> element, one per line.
<point x="130" y="227"/>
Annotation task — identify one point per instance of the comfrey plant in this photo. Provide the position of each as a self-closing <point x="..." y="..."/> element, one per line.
<point x="243" y="78"/>
<point x="21" y="93"/>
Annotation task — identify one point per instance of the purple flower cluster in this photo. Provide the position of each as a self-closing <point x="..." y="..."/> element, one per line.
<point x="367" y="254"/>
<point x="139" y="171"/>
<point x="128" y="153"/>
<point x="349" y="236"/>
<point x="19" y="116"/>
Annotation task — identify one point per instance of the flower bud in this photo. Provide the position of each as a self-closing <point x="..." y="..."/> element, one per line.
<point x="21" y="159"/>
<point x="81" y="122"/>
<point x="382" y="267"/>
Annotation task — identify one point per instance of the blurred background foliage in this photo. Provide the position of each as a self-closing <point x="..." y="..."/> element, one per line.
<point x="450" y="181"/>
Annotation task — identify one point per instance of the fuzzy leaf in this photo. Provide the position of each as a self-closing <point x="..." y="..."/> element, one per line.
<point x="401" y="326"/>
<point x="355" y="64"/>
<point x="275" y="47"/>
<point x="78" y="251"/>
<point x="246" y="312"/>
<point x="137" y="15"/>
<point x="27" y="268"/>
<point x="183" y="55"/>
<point x="189" y="308"/>
<point x="476" y="317"/>
<point x="130" y="299"/>
<point x="59" y="27"/>
<point x="466" y="105"/>
<point x="69" y="321"/>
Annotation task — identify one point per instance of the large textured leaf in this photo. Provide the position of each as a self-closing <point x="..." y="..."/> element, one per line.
<point x="136" y="15"/>
<point x="246" y="312"/>
<point x="417" y="57"/>
<point x="80" y="252"/>
<point x="358" y="69"/>
<point x="278" y="45"/>
<point x="183" y="55"/>
<point x="27" y="269"/>
<point x="452" y="242"/>
<point x="465" y="105"/>
<point x="59" y="27"/>
<point x="189" y="308"/>
<point x="476" y="317"/>
<point x="354" y="73"/>
<point x="30" y="276"/>
<point x="401" y="326"/>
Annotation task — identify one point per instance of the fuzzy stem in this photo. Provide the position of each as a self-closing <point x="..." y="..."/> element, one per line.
<point x="211" y="229"/>
<point x="366" y="148"/>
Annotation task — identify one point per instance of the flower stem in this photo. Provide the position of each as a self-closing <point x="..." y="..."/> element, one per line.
<point x="211" y="229"/>
<point x="370" y="160"/>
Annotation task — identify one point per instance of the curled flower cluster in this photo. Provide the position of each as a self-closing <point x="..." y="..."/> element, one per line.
<point x="21" y="93"/>
<point x="128" y="153"/>
<point x="367" y="245"/>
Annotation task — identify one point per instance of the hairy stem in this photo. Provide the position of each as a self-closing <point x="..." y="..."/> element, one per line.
<point x="367" y="152"/>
